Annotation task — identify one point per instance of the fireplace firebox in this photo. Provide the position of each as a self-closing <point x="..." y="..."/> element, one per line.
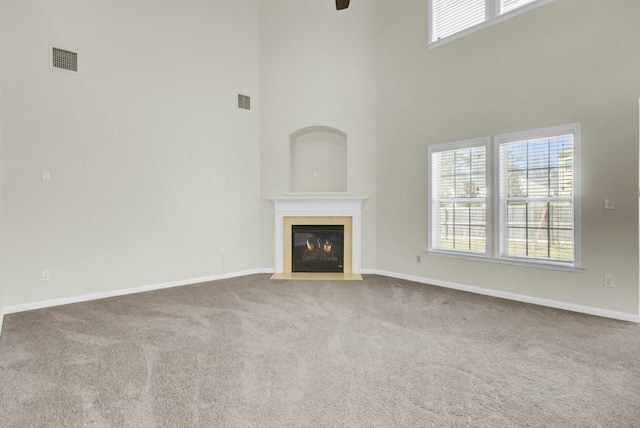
<point x="317" y="248"/>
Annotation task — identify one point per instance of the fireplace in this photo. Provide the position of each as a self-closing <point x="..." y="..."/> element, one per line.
<point x="332" y="211"/>
<point x="317" y="248"/>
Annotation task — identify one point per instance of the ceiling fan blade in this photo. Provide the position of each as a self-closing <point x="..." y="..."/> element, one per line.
<point x="342" y="4"/>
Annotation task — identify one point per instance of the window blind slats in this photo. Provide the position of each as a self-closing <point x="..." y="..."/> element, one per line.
<point x="536" y="195"/>
<point x="459" y="206"/>
<point x="451" y="16"/>
<point x="508" y="5"/>
<point x="454" y="16"/>
<point x="536" y="205"/>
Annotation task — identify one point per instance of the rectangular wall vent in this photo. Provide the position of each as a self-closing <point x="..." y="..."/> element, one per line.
<point x="244" y="102"/>
<point x="64" y="60"/>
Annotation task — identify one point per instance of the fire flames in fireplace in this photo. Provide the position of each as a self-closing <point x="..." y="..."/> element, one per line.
<point x="317" y="248"/>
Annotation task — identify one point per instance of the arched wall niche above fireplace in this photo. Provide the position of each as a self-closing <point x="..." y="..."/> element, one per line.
<point x="318" y="160"/>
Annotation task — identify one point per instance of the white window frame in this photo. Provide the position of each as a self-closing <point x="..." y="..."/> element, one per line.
<point x="494" y="234"/>
<point x="493" y="15"/>
<point x="499" y="237"/>
<point x="466" y="144"/>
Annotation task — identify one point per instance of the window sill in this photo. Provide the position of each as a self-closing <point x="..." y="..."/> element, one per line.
<point x="513" y="262"/>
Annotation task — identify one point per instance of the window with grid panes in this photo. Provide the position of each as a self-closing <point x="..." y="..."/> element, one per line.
<point x="449" y="17"/>
<point x="459" y="197"/>
<point x="521" y="208"/>
<point x="537" y="195"/>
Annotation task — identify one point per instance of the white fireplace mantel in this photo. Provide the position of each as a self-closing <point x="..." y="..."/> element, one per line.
<point x="318" y="206"/>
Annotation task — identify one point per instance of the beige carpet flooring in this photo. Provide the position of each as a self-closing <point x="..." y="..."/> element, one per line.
<point x="254" y="352"/>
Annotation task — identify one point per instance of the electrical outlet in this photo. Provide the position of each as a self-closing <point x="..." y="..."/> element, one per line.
<point x="46" y="176"/>
<point x="608" y="204"/>
<point x="608" y="281"/>
<point x="254" y="252"/>
<point x="46" y="275"/>
<point x="418" y="259"/>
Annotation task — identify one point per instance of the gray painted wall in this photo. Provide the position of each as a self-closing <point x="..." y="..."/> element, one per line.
<point x="317" y="68"/>
<point x="3" y="254"/>
<point x="569" y="61"/>
<point x="153" y="167"/>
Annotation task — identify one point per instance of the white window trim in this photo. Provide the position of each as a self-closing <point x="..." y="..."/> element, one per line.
<point x="513" y="262"/>
<point x="466" y="144"/>
<point x="493" y="199"/>
<point x="493" y="18"/>
<point x="572" y="128"/>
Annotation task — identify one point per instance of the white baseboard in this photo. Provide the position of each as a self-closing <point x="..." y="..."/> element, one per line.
<point x="121" y="292"/>
<point x="623" y="316"/>
<point x="468" y="288"/>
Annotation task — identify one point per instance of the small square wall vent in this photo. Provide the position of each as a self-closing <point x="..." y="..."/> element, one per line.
<point x="244" y="102"/>
<point x="63" y="59"/>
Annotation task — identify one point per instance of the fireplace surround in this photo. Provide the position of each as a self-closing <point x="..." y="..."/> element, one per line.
<point x="318" y="210"/>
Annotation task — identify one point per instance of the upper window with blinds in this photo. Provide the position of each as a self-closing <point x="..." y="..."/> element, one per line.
<point x="451" y="19"/>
